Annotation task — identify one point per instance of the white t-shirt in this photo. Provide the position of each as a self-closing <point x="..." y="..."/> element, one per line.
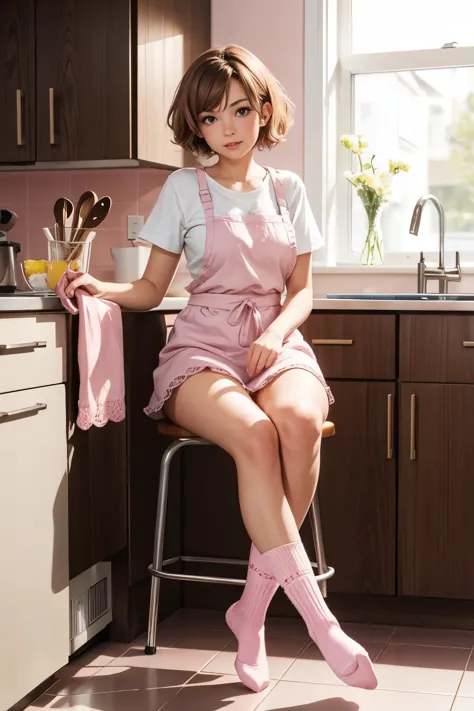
<point x="177" y="220"/>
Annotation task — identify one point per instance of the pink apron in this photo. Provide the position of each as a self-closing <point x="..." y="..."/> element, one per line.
<point x="236" y="296"/>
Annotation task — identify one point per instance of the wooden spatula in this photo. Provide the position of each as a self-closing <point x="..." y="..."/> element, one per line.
<point x="95" y="217"/>
<point x="83" y="206"/>
<point x="63" y="209"/>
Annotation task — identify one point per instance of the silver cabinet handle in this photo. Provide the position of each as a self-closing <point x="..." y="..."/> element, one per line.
<point x="52" y="131"/>
<point x="22" y="346"/>
<point x="20" y="141"/>
<point x="332" y="341"/>
<point x="468" y="344"/>
<point x="23" y="410"/>
<point x="413" y="428"/>
<point x="389" y="426"/>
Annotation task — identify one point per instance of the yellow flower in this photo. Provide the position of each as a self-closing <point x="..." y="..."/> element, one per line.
<point x="349" y="142"/>
<point x="395" y="166"/>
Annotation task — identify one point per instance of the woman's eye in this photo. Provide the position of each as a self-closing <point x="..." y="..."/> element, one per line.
<point x="245" y="109"/>
<point x="209" y="120"/>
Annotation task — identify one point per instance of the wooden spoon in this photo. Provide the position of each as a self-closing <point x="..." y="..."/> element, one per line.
<point x="84" y="205"/>
<point x="95" y="217"/>
<point x="63" y="208"/>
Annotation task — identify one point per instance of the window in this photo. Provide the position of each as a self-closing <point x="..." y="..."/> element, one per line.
<point x="400" y="72"/>
<point x="401" y="25"/>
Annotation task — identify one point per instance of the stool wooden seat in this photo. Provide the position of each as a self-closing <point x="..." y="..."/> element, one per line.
<point x="168" y="428"/>
<point x="184" y="438"/>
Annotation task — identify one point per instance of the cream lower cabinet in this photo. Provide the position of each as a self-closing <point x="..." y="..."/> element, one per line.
<point x="34" y="575"/>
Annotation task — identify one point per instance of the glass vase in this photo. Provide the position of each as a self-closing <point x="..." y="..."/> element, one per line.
<point x="372" y="250"/>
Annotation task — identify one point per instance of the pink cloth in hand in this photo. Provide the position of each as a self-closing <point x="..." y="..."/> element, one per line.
<point x="100" y="356"/>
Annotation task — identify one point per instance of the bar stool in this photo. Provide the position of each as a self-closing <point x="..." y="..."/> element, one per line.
<point x="185" y="438"/>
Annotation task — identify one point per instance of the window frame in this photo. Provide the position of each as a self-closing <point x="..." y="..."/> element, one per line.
<point x="329" y="112"/>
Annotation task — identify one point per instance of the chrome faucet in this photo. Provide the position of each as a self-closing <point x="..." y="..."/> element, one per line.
<point x="440" y="273"/>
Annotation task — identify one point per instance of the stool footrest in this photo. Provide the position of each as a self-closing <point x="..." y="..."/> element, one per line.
<point x="218" y="561"/>
<point x="213" y="579"/>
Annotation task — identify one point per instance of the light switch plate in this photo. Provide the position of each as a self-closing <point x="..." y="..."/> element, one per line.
<point x="134" y="226"/>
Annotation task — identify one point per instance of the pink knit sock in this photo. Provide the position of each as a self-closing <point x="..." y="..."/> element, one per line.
<point x="246" y="619"/>
<point x="349" y="661"/>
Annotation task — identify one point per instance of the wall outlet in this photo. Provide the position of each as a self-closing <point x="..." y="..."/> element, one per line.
<point x="134" y="226"/>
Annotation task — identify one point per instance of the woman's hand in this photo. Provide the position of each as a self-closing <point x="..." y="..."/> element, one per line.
<point x="263" y="352"/>
<point x="93" y="286"/>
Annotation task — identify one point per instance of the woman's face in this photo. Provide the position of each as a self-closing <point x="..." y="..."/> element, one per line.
<point x="232" y="130"/>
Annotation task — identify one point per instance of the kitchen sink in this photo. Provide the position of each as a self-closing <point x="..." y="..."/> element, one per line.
<point x="404" y="297"/>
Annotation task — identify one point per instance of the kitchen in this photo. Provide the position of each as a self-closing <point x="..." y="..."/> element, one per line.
<point x="85" y="110"/>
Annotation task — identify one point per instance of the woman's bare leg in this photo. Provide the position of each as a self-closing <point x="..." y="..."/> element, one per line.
<point x="217" y="408"/>
<point x="297" y="404"/>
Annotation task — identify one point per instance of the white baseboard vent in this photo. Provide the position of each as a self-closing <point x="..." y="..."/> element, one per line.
<point x="90" y="604"/>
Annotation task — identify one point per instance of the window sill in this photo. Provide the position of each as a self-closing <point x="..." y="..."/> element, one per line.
<point x="382" y="270"/>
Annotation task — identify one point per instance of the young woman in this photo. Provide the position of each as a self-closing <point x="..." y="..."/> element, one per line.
<point x="236" y="370"/>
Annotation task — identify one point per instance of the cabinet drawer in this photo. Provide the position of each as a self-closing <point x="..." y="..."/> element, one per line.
<point x="34" y="606"/>
<point x="358" y="346"/>
<point x="437" y="348"/>
<point x="32" y="351"/>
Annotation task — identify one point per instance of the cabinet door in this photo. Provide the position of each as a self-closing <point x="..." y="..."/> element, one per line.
<point x="436" y="490"/>
<point x="171" y="35"/>
<point x="357" y="489"/>
<point x="83" y="79"/>
<point x="17" y="81"/>
<point x="97" y="460"/>
<point x="34" y="596"/>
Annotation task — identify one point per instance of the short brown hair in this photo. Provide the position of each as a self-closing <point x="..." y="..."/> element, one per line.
<point x="206" y="83"/>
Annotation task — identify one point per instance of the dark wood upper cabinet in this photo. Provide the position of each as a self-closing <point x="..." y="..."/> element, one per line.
<point x="436" y="491"/>
<point x="95" y="77"/>
<point x="83" y="80"/>
<point x="17" y="94"/>
<point x="357" y="489"/>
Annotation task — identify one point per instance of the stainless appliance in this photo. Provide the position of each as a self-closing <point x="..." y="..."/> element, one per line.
<point x="8" y="252"/>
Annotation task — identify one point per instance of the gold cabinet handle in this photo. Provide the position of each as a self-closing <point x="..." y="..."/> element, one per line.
<point x="389" y="426"/>
<point x="413" y="428"/>
<point x="52" y="131"/>
<point x="468" y="344"/>
<point x="332" y="341"/>
<point x="23" y="411"/>
<point x="20" y="141"/>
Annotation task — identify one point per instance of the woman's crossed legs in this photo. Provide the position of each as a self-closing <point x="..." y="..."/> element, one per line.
<point x="275" y="442"/>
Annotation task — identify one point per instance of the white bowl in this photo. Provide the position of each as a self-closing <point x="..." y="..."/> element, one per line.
<point x="129" y="262"/>
<point x="36" y="282"/>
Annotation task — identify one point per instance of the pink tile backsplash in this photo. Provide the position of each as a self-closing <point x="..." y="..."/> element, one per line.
<point x="149" y="185"/>
<point x="32" y="195"/>
<point x="13" y="186"/>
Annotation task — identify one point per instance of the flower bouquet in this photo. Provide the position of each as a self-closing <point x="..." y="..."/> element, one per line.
<point x="373" y="186"/>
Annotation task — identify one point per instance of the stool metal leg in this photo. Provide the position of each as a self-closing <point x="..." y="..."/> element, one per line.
<point x="323" y="573"/>
<point x="315" y="518"/>
<point x="159" y="540"/>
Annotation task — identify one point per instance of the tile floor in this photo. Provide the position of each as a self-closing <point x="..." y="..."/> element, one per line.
<point x="418" y="670"/>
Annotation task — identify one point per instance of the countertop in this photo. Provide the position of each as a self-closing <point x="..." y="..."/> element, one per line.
<point x="172" y="304"/>
<point x="49" y="302"/>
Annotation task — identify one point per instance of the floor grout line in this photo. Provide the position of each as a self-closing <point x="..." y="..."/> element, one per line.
<point x="462" y="677"/>
<point x="265" y="698"/>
